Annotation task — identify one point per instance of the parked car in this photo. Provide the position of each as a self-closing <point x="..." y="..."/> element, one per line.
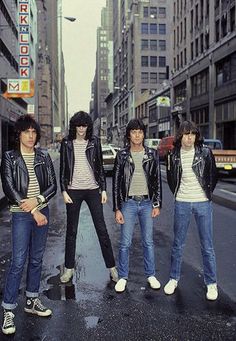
<point x="152" y="143"/>
<point x="213" y="143"/>
<point x="109" y="155"/>
<point x="165" y="145"/>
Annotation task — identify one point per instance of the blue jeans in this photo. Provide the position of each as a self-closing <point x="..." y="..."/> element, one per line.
<point x="132" y="209"/>
<point x="27" y="240"/>
<point x="202" y="212"/>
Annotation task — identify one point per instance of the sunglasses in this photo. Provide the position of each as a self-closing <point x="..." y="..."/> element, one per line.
<point x="82" y="125"/>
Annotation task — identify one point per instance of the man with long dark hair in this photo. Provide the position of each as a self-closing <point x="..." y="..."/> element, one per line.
<point x="82" y="178"/>
<point x="137" y="193"/>
<point x="192" y="177"/>
<point x="29" y="182"/>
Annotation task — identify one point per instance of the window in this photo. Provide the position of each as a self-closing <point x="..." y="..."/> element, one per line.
<point x="200" y="83"/>
<point x="153" y="77"/>
<point x="162" y="12"/>
<point x="196" y="47"/>
<point x="144" y="44"/>
<point x="217" y="30"/>
<point x="144" y="61"/>
<point x="153" y="45"/>
<point x="162" y="76"/>
<point x="192" y="55"/>
<point x="232" y="19"/>
<point x="162" y="28"/>
<point x="180" y="93"/>
<point x="226" y="70"/>
<point x="144" y="77"/>
<point x="153" y="28"/>
<point x="162" y="45"/>
<point x="144" y="28"/>
<point x="145" y="12"/>
<point x="162" y="61"/>
<point x="153" y="12"/>
<point x="224" y="25"/>
<point x="153" y="61"/>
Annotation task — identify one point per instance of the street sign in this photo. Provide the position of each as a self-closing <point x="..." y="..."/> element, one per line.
<point x="18" y="86"/>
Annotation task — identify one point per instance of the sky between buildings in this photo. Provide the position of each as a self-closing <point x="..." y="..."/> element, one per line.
<point x="79" y="48"/>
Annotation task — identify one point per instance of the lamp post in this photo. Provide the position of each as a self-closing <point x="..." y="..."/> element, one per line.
<point x="60" y="122"/>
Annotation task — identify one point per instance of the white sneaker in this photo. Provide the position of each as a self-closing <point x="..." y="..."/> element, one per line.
<point x="114" y="274"/>
<point x="153" y="282"/>
<point x="170" y="287"/>
<point x="8" y="326"/>
<point x="121" y="285"/>
<point x="212" y="292"/>
<point x="68" y="274"/>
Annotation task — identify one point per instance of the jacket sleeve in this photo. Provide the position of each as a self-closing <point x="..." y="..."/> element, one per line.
<point x="213" y="170"/>
<point x="116" y="183"/>
<point x="52" y="182"/>
<point x="157" y="185"/>
<point x="102" y="176"/>
<point x="63" y="182"/>
<point x="8" y="182"/>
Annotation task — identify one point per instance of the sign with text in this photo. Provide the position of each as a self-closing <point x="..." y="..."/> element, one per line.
<point x="24" y="38"/>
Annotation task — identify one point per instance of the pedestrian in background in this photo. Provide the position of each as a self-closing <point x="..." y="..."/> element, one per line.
<point x="82" y="178"/>
<point x="137" y="192"/>
<point x="29" y="182"/>
<point x="192" y="177"/>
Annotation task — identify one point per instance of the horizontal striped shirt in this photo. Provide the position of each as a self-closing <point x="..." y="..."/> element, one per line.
<point x="33" y="188"/>
<point x="138" y="184"/>
<point x="190" y="190"/>
<point x="83" y="177"/>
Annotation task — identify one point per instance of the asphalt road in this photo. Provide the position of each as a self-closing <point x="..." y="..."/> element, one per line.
<point x="89" y="309"/>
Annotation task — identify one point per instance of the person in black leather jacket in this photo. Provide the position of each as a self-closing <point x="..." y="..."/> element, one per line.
<point x="82" y="178"/>
<point x="137" y="192"/>
<point x="192" y="177"/>
<point x="29" y="182"/>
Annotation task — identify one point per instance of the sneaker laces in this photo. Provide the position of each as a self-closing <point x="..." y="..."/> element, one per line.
<point x="8" y="319"/>
<point x="39" y="304"/>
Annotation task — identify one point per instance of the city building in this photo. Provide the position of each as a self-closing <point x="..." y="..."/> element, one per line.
<point x="204" y="67"/>
<point x="13" y="66"/>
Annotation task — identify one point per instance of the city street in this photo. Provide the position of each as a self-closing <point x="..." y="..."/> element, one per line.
<point x="90" y="309"/>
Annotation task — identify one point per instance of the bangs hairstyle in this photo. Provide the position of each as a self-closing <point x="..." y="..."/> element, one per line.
<point x="134" y="124"/>
<point x="80" y="118"/>
<point x="188" y="127"/>
<point x="23" y="123"/>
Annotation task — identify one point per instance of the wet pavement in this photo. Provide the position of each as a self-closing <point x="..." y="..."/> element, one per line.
<point x="88" y="308"/>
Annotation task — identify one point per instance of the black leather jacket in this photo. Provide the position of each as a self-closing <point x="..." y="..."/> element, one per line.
<point x="203" y="166"/>
<point x="15" y="177"/>
<point x="124" y="169"/>
<point x="94" y="157"/>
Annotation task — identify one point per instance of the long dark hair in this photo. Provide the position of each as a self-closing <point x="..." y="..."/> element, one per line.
<point x="23" y="123"/>
<point x="135" y="123"/>
<point x="78" y="119"/>
<point x="187" y="127"/>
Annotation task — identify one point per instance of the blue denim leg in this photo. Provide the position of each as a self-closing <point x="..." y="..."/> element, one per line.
<point x="130" y="210"/>
<point x="26" y="236"/>
<point x="181" y="223"/>
<point x="203" y="216"/>
<point x="146" y="224"/>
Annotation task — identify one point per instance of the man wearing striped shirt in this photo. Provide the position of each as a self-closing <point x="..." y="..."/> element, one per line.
<point x="192" y="177"/>
<point x="29" y="182"/>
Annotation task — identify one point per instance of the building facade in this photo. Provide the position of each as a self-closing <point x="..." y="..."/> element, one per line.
<point x="204" y="67"/>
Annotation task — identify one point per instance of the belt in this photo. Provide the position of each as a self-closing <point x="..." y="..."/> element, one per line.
<point x="138" y="197"/>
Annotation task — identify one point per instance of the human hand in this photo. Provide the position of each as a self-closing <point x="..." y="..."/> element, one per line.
<point x="28" y="204"/>
<point x="40" y="218"/>
<point x="104" y="197"/>
<point x="119" y="217"/>
<point x="155" y="212"/>
<point x="67" y="198"/>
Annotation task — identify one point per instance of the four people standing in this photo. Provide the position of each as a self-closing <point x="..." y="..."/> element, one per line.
<point x="29" y="182"/>
<point x="137" y="192"/>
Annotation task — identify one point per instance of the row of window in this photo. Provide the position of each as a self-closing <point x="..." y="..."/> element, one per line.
<point x="225" y="72"/>
<point x="153" y="61"/>
<point x="153" y="44"/>
<point x="152" y="77"/>
<point x="154" y="12"/>
<point x="147" y="28"/>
